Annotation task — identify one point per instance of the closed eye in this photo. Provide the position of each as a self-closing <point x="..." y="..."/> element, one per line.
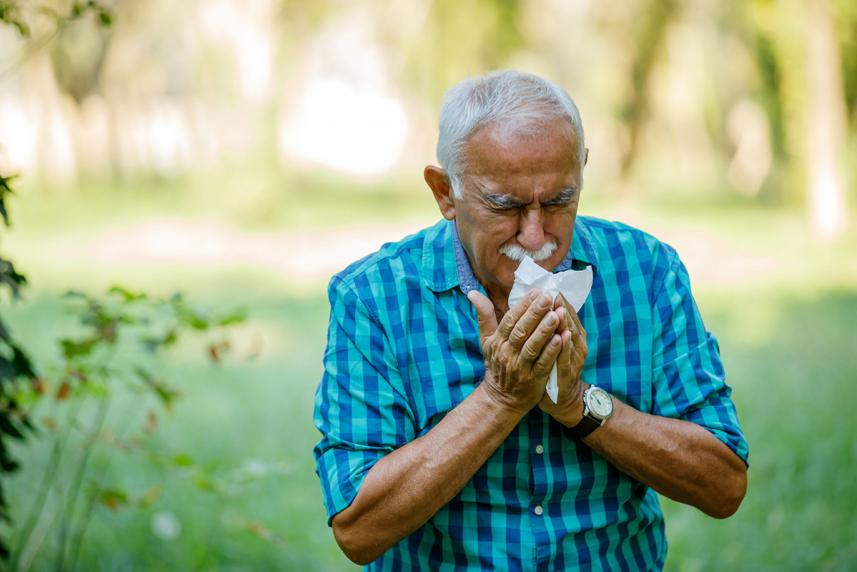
<point x="500" y="202"/>
<point x="562" y="199"/>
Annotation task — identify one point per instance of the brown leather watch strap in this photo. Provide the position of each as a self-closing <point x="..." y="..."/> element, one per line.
<point x="586" y="426"/>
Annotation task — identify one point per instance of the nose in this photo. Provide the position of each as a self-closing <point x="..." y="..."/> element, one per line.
<point x="531" y="234"/>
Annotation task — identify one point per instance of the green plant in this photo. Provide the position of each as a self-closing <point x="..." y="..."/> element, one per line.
<point x="110" y="367"/>
<point x="15" y="364"/>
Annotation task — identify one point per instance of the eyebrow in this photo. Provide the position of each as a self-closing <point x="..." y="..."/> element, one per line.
<point x="503" y="201"/>
<point x="562" y="198"/>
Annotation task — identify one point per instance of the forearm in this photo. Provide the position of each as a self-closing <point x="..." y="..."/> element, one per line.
<point x="408" y="486"/>
<point x="679" y="459"/>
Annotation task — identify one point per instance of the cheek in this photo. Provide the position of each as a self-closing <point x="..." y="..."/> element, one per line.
<point x="495" y="231"/>
<point x="560" y="226"/>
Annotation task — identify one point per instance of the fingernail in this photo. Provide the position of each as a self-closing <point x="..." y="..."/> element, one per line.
<point x="544" y="301"/>
<point x="551" y="319"/>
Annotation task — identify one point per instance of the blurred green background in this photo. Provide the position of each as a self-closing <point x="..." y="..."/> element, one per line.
<point x="242" y="152"/>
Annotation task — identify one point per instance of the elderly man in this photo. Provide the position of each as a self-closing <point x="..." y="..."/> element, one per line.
<point x="440" y="449"/>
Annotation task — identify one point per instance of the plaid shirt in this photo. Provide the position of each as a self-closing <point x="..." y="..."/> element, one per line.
<point x="403" y="349"/>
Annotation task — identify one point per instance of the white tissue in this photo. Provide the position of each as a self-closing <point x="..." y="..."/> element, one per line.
<point x="573" y="284"/>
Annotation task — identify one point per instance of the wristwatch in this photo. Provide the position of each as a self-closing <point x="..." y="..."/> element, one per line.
<point x="597" y="409"/>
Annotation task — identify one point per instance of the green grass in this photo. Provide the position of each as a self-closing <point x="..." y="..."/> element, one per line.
<point x="791" y="362"/>
<point x="787" y="339"/>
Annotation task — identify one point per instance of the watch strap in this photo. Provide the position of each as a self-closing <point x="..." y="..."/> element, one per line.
<point x="586" y="426"/>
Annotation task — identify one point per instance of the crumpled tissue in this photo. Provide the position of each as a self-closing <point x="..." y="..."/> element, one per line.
<point x="573" y="284"/>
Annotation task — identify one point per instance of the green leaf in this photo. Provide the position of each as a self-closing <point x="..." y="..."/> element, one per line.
<point x="182" y="460"/>
<point x="204" y="483"/>
<point x="153" y="343"/>
<point x="126" y="294"/>
<point x="236" y="317"/>
<point x="8" y="465"/>
<point x="10" y="277"/>
<point x="97" y="390"/>
<point x="8" y="428"/>
<point x="21" y="363"/>
<point x="161" y="390"/>
<point x="78" y="348"/>
<point x="104" y="18"/>
<point x="5" y="190"/>
<point x="75" y="294"/>
<point x="17" y="366"/>
<point x="194" y="319"/>
<point x="150" y="496"/>
<point x="114" y="499"/>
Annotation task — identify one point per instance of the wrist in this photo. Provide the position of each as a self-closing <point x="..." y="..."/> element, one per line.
<point x="500" y="403"/>
<point x="574" y="412"/>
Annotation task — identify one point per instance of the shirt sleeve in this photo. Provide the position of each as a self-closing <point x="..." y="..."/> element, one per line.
<point x="360" y="408"/>
<point x="689" y="381"/>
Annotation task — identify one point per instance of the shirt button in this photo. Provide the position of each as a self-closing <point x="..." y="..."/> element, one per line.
<point x="538" y="510"/>
<point x="539" y="449"/>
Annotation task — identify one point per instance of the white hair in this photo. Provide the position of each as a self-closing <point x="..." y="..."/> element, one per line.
<point x="518" y="253"/>
<point x="519" y="101"/>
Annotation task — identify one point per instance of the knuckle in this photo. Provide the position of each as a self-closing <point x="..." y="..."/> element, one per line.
<point x="548" y="324"/>
<point x="502" y="355"/>
<point x="529" y="352"/>
<point x="518" y="333"/>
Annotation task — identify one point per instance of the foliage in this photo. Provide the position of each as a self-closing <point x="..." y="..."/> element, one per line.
<point x="14" y="366"/>
<point x="457" y="39"/>
<point x="13" y="14"/>
<point x="113" y="359"/>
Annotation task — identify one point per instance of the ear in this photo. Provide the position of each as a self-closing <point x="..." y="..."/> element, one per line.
<point x="438" y="180"/>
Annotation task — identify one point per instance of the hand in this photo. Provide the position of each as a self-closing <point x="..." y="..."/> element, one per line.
<point x="568" y="409"/>
<point x="519" y="351"/>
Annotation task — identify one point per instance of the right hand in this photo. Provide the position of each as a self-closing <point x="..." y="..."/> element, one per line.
<point x="519" y="351"/>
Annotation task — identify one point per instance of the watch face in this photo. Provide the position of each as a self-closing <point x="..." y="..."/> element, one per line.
<point x="600" y="403"/>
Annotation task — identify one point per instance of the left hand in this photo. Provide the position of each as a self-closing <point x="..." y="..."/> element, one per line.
<point x="569" y="407"/>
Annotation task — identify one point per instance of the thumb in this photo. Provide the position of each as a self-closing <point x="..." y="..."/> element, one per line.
<point x="484" y="313"/>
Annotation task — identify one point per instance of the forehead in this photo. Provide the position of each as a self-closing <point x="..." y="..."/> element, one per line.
<point x="501" y="151"/>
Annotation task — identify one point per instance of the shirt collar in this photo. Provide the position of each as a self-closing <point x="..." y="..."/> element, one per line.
<point x="445" y="263"/>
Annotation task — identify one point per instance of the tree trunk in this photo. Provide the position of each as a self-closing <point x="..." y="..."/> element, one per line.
<point x="826" y="121"/>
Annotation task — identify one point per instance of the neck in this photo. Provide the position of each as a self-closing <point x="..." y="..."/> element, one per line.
<point x="500" y="298"/>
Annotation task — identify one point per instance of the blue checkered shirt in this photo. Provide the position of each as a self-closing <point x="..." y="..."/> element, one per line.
<point x="403" y="349"/>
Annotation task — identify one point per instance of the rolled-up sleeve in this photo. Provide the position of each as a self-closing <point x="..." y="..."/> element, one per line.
<point x="360" y="408"/>
<point x="689" y="381"/>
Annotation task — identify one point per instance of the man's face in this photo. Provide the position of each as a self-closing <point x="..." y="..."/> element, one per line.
<point x="518" y="191"/>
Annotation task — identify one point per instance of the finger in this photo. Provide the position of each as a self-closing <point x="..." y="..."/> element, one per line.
<point x="485" y="316"/>
<point x="577" y="329"/>
<point x="579" y="349"/>
<point x="562" y="314"/>
<point x="543" y="334"/>
<point x="516" y="312"/>
<point x="573" y="320"/>
<point x="562" y="303"/>
<point x="565" y="356"/>
<point x="531" y="319"/>
<point x="547" y="357"/>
